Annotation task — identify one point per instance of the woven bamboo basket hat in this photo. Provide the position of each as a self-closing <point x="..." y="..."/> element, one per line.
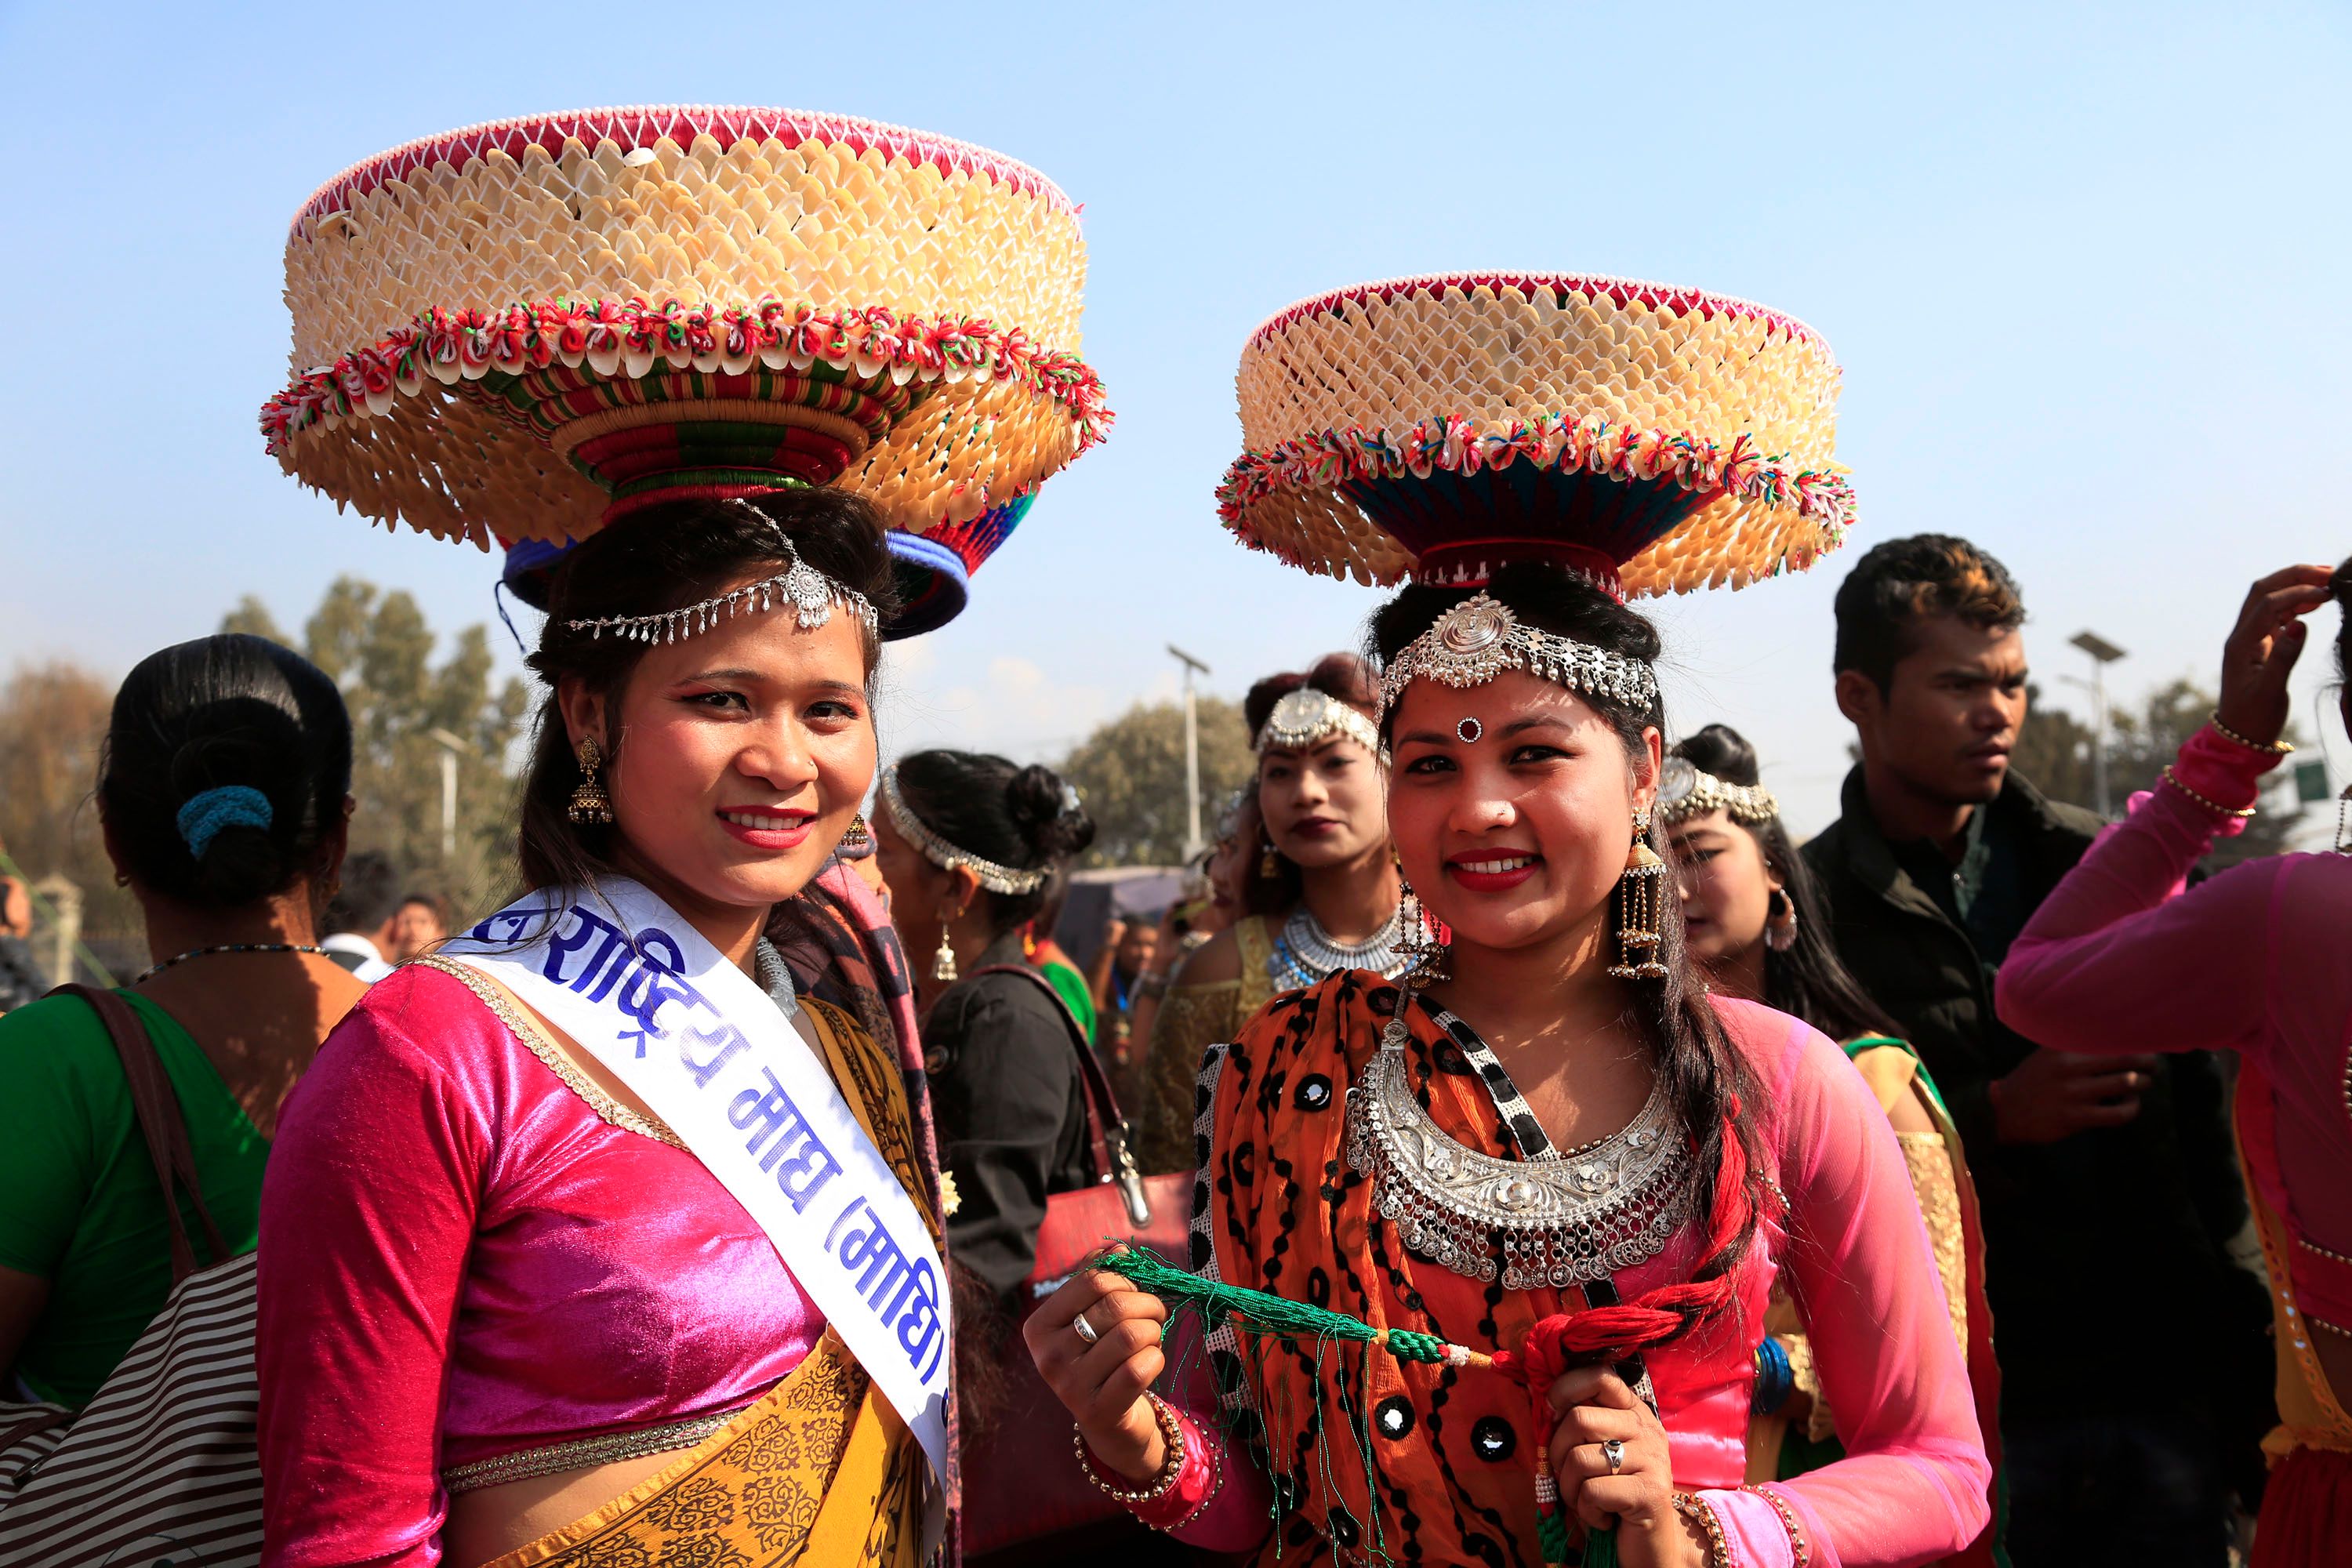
<point x="538" y="326"/>
<point x="1654" y="438"/>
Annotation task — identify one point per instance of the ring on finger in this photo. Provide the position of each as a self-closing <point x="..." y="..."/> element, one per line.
<point x="1085" y="1330"/>
<point x="1613" y="1450"/>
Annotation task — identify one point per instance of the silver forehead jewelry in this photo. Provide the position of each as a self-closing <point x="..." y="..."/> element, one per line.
<point x="1469" y="730"/>
<point x="1685" y="791"/>
<point x="1479" y="638"/>
<point x="996" y="878"/>
<point x="1305" y="717"/>
<point x="810" y="592"/>
<point x="1560" y="1220"/>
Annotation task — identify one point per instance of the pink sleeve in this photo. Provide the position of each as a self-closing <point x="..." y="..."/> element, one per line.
<point x="1913" y="1482"/>
<point x="367" y="1211"/>
<point x="2077" y="977"/>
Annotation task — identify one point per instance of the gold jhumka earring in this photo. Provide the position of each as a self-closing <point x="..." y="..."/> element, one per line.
<point x="1639" y="907"/>
<point x="589" y="802"/>
<point x="1268" y="868"/>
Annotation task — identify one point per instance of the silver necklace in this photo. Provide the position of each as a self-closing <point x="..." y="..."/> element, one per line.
<point x="1557" y="1220"/>
<point x="1305" y="953"/>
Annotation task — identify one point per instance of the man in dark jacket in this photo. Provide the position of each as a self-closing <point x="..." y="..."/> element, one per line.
<point x="2118" y="1318"/>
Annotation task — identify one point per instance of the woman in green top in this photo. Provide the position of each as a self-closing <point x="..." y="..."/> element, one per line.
<point x="223" y="796"/>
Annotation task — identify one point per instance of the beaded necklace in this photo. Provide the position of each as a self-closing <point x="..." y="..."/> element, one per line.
<point x="1304" y="953"/>
<point x="152" y="970"/>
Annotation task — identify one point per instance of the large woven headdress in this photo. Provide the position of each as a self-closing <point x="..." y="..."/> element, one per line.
<point x="538" y="326"/>
<point x="1652" y="437"/>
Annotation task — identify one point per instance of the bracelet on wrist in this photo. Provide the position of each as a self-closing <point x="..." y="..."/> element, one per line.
<point x="2274" y="749"/>
<point x="1162" y="1481"/>
<point x="2168" y="776"/>
<point x="1701" y="1514"/>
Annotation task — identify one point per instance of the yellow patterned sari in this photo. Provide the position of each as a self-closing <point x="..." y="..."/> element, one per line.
<point x="821" y="1470"/>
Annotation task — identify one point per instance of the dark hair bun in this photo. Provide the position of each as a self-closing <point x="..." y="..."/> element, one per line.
<point x="1724" y="752"/>
<point x="241" y="716"/>
<point x="1047" y="815"/>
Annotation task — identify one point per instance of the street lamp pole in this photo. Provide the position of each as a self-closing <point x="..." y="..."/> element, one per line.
<point x="2102" y="654"/>
<point x="1192" y="842"/>
<point x="450" y="746"/>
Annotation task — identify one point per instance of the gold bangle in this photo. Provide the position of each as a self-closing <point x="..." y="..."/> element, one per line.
<point x="1164" y="1481"/>
<point x="2217" y="809"/>
<point x="1701" y="1514"/>
<point x="2275" y="748"/>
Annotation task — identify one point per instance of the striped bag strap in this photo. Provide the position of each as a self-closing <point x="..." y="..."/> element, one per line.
<point x="161" y="1122"/>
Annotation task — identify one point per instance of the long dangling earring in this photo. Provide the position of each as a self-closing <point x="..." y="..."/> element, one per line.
<point x="589" y="802"/>
<point x="2343" y="807"/>
<point x="1638" y="908"/>
<point x="1420" y="943"/>
<point x="1780" y="930"/>
<point x="1268" y="867"/>
<point x="943" y="964"/>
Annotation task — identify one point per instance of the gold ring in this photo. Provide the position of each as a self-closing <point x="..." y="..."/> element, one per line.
<point x="1085" y="1330"/>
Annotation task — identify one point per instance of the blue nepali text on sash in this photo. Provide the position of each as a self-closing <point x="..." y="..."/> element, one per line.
<point x="904" y="1292"/>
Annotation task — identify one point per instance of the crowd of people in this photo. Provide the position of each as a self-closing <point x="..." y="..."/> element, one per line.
<point x="2042" y="1028"/>
<point x="1518" y="1150"/>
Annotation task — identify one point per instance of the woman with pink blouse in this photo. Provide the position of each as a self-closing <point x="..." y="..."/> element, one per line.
<point x="2263" y="968"/>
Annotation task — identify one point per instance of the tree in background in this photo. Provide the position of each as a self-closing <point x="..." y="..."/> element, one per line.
<point x="378" y="649"/>
<point x="1130" y="772"/>
<point x="2054" y="750"/>
<point x="52" y="724"/>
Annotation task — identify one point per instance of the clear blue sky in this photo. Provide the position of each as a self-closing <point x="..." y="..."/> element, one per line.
<point x="2085" y="267"/>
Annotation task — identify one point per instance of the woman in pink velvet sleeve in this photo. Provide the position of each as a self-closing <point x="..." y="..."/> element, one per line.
<point x="509" y="1312"/>
<point x="2120" y="958"/>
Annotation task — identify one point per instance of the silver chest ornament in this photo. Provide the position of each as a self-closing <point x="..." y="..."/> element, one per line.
<point x="1560" y="1221"/>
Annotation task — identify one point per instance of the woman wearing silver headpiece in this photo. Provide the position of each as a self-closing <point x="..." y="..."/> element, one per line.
<point x="587" y="1230"/>
<point x="1551" y="1141"/>
<point x="971" y="847"/>
<point x="1320" y="884"/>
<point x="1755" y="923"/>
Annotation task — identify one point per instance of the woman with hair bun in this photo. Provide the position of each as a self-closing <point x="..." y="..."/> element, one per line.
<point x="1754" y="924"/>
<point x="223" y="794"/>
<point x="1319" y="886"/>
<point x="973" y="847"/>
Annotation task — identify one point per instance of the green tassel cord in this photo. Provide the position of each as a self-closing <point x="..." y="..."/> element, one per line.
<point x="1259" y="1312"/>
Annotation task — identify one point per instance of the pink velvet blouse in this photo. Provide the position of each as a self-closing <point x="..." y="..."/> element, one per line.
<point x="2119" y="959"/>
<point x="1914" y="1483"/>
<point x="460" y="1258"/>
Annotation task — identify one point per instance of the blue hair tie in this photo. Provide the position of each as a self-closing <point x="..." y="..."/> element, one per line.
<point x="203" y="814"/>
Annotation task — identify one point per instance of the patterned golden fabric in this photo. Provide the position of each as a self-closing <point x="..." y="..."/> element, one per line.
<point x="821" y="1470"/>
<point x="1190" y="1019"/>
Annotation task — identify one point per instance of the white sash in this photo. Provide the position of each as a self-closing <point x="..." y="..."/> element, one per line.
<point x="754" y="1103"/>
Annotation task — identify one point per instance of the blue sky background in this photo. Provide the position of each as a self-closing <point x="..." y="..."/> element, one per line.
<point x="2085" y="266"/>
